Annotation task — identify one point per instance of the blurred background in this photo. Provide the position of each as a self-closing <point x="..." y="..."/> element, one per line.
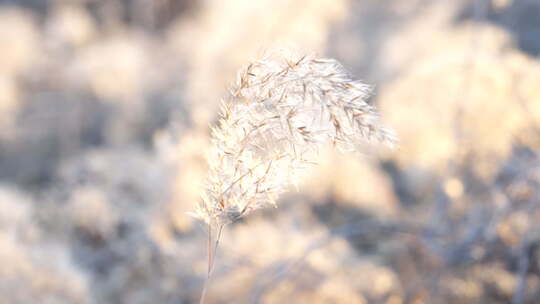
<point x="104" y="115"/>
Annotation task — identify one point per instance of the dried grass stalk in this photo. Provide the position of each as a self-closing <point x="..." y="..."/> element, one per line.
<point x="279" y="114"/>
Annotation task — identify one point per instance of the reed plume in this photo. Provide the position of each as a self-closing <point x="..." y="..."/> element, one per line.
<point x="279" y="114"/>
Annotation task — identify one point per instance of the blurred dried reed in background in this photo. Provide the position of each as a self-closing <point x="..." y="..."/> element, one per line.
<point x="104" y="114"/>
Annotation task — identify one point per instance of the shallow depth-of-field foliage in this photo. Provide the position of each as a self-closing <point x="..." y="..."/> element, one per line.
<point x="105" y="109"/>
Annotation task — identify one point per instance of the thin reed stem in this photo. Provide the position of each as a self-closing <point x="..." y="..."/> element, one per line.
<point x="212" y="251"/>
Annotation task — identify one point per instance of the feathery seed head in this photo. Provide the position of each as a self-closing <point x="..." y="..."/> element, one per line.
<point x="279" y="113"/>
